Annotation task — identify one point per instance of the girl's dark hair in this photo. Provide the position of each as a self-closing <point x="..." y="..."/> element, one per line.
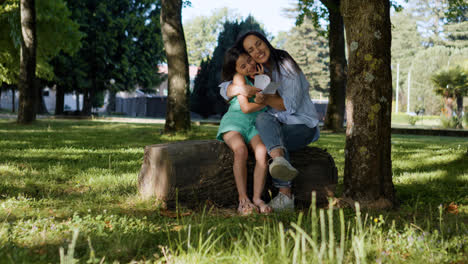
<point x="229" y="63"/>
<point x="277" y="57"/>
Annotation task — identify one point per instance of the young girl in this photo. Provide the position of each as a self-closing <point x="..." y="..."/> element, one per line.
<point x="237" y="128"/>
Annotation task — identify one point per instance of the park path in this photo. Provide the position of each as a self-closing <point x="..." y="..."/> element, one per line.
<point x="396" y="128"/>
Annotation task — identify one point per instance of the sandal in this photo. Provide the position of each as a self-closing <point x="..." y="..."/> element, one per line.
<point x="263" y="207"/>
<point x="246" y="207"/>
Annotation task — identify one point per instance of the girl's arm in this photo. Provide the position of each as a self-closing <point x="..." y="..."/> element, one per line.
<point x="245" y="90"/>
<point x="246" y="106"/>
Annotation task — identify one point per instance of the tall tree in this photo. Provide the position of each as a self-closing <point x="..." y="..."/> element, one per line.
<point x="336" y="42"/>
<point x="56" y="32"/>
<point x="330" y="10"/>
<point x="457" y="11"/>
<point x="431" y="16"/>
<point x="452" y="84"/>
<point x="368" y="165"/>
<point x="123" y="43"/>
<point x="27" y="75"/>
<point x="201" y="33"/>
<point x="406" y="43"/>
<point x="178" y="113"/>
<point x="457" y="35"/>
<point x="310" y="50"/>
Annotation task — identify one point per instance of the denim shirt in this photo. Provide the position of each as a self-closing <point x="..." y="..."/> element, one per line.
<point x="294" y="90"/>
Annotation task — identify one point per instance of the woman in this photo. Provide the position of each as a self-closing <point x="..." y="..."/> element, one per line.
<point x="291" y="121"/>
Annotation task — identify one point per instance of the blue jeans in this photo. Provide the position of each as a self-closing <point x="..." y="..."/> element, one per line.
<point x="275" y="134"/>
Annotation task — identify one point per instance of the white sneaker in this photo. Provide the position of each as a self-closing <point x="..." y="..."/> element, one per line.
<point x="281" y="169"/>
<point x="282" y="202"/>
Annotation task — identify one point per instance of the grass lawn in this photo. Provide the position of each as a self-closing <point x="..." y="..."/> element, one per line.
<point x="68" y="191"/>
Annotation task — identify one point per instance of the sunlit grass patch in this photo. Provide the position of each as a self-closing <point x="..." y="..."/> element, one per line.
<point x="58" y="176"/>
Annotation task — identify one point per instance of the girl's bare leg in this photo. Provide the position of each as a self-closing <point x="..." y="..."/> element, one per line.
<point x="260" y="172"/>
<point x="236" y="143"/>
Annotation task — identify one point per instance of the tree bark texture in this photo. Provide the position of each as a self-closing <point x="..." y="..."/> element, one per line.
<point x="196" y="171"/>
<point x="27" y="75"/>
<point x="459" y="100"/>
<point x="13" y="99"/>
<point x="368" y="167"/>
<point x="111" y="103"/>
<point x="87" y="101"/>
<point x="178" y="112"/>
<point x="41" y="106"/>
<point x="336" y="101"/>
<point x="59" y="100"/>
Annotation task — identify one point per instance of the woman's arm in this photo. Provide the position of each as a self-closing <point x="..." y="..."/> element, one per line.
<point x="273" y="100"/>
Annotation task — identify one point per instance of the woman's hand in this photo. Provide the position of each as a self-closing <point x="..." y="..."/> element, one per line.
<point x="273" y="100"/>
<point x="260" y="98"/>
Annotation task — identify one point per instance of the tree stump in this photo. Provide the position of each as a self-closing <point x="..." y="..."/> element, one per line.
<point x="194" y="172"/>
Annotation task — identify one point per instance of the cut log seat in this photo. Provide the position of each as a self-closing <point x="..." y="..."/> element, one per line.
<point x="198" y="171"/>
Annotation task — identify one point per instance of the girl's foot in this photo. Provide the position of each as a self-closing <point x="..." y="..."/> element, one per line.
<point x="246" y="207"/>
<point x="263" y="207"/>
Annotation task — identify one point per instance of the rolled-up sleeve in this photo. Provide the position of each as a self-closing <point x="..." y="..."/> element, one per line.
<point x="223" y="89"/>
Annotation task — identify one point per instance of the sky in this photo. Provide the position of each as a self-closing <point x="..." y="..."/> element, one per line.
<point x="268" y="12"/>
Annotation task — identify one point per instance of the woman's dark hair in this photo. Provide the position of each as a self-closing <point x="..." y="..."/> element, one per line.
<point x="277" y="57"/>
<point x="229" y="63"/>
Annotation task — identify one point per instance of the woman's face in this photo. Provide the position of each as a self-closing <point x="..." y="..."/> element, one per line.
<point x="257" y="48"/>
<point x="245" y="65"/>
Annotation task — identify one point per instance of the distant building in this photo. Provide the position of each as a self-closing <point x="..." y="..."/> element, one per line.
<point x="70" y="102"/>
<point x="140" y="104"/>
<point x="162" y="88"/>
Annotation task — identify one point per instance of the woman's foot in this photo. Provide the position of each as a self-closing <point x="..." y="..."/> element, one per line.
<point x="246" y="207"/>
<point x="262" y="206"/>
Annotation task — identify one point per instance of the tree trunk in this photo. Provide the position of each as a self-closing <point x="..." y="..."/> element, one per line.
<point x="178" y="113"/>
<point x="41" y="106"/>
<point x="59" y="100"/>
<point x="368" y="165"/>
<point x="336" y="41"/>
<point x="77" y="101"/>
<point x="460" y="110"/>
<point x="13" y="103"/>
<point x="87" y="102"/>
<point x="196" y="171"/>
<point x="111" y="102"/>
<point x="27" y="75"/>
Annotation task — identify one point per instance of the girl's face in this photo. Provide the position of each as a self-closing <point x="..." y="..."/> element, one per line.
<point x="245" y="65"/>
<point x="257" y="48"/>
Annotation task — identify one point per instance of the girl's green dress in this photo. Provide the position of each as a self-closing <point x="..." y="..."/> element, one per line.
<point x="236" y="120"/>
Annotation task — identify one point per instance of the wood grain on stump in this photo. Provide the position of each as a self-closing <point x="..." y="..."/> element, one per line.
<point x="198" y="171"/>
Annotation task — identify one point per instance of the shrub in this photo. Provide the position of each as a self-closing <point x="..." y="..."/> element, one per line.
<point x="412" y="119"/>
<point x="450" y="122"/>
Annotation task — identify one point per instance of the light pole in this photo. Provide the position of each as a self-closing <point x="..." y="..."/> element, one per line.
<point x="409" y="87"/>
<point x="397" y="86"/>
